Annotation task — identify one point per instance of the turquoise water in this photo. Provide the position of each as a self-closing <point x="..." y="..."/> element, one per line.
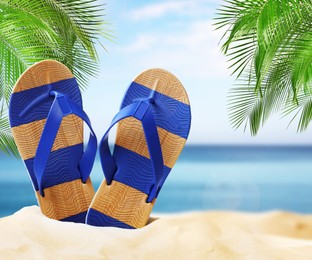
<point x="245" y="178"/>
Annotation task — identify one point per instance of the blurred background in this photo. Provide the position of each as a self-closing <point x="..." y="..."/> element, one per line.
<point x="220" y="168"/>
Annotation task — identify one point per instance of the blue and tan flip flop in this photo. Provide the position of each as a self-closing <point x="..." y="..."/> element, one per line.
<point x="46" y="118"/>
<point x="153" y="125"/>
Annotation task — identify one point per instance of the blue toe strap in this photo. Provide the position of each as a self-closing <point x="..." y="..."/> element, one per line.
<point x="141" y="110"/>
<point x="61" y="107"/>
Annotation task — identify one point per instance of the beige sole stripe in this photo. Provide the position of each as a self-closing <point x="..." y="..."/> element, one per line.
<point x="66" y="199"/>
<point x="163" y="82"/>
<point x="42" y="73"/>
<point x="27" y="136"/>
<point x="130" y="135"/>
<point x="123" y="203"/>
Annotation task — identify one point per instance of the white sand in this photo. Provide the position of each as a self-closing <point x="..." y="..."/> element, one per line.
<point x="211" y="235"/>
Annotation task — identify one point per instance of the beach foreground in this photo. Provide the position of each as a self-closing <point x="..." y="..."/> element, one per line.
<point x="28" y="234"/>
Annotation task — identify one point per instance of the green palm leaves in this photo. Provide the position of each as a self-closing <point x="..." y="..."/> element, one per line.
<point x="30" y="31"/>
<point x="269" y="45"/>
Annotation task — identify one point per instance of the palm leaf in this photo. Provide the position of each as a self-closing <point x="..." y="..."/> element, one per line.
<point x="306" y="115"/>
<point x="30" y="31"/>
<point x="245" y="107"/>
<point x="7" y="144"/>
<point x="269" y="46"/>
<point x="302" y="108"/>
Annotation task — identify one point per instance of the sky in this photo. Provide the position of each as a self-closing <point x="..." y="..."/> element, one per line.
<point x="176" y="35"/>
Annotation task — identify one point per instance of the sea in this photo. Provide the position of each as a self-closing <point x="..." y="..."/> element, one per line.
<point x="212" y="177"/>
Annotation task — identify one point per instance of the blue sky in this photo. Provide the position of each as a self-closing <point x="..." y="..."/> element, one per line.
<point x="178" y="36"/>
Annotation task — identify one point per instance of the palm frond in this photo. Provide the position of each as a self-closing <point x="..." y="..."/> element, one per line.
<point x="269" y="48"/>
<point x="64" y="30"/>
<point x="245" y="107"/>
<point x="302" y="108"/>
<point x="7" y="144"/>
<point x="306" y="115"/>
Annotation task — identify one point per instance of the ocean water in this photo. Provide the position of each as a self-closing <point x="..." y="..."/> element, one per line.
<point x="243" y="178"/>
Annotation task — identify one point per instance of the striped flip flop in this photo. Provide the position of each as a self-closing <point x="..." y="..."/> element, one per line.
<point x="153" y="125"/>
<point x="46" y="119"/>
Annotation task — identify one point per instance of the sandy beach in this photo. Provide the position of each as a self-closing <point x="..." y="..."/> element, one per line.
<point x="28" y="234"/>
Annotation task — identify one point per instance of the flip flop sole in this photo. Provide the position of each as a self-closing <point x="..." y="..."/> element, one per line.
<point x="123" y="203"/>
<point x="66" y="197"/>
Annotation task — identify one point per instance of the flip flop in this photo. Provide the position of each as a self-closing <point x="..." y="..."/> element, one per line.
<point x="154" y="123"/>
<point x="46" y="119"/>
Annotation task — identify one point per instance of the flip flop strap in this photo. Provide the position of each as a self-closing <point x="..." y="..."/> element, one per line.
<point x="61" y="107"/>
<point x="141" y="110"/>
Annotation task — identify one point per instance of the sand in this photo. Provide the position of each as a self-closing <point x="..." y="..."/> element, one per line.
<point x="28" y="234"/>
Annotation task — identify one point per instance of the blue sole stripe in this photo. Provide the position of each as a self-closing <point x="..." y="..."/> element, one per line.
<point x="96" y="218"/>
<point x="62" y="166"/>
<point x="135" y="170"/>
<point x="78" y="218"/>
<point x="20" y="100"/>
<point x="175" y="117"/>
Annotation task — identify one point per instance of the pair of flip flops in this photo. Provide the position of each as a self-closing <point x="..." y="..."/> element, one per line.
<point x="46" y="118"/>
